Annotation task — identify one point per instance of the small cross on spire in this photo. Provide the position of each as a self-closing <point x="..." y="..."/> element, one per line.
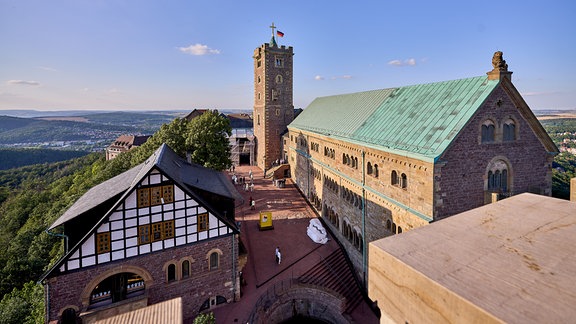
<point x="273" y="27"/>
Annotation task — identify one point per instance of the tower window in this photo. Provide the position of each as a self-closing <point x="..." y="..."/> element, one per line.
<point x="279" y="62"/>
<point x="279" y="79"/>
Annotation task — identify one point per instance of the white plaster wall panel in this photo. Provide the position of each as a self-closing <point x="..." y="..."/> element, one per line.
<point x="116" y="235"/>
<point x="168" y="243"/>
<point x="144" y="248"/>
<point x="193" y="220"/>
<point x="88" y="261"/>
<point x="131" y="213"/>
<point x="144" y="181"/>
<point x="191" y="238"/>
<point x="117" y="245"/>
<point x="132" y="231"/>
<point x="156" y="209"/>
<point x="156" y="246"/>
<point x="156" y="218"/>
<point x="143" y="211"/>
<point x="143" y="220"/>
<point x="116" y="216"/>
<point x="180" y="231"/>
<point x="168" y="215"/>
<point x="105" y="257"/>
<point x="180" y="222"/>
<point x="130" y="201"/>
<point x="117" y="225"/>
<point x="203" y="235"/>
<point x="155" y="178"/>
<point x="75" y="255"/>
<point x="133" y="241"/>
<point x="201" y="210"/>
<point x="117" y="255"/>
<point x="213" y="232"/>
<point x="191" y="229"/>
<point x="213" y="222"/>
<point x="223" y="230"/>
<point x="131" y="251"/>
<point x="178" y="193"/>
<point x="88" y="246"/>
<point x="181" y="240"/>
<point x="104" y="228"/>
<point x="73" y="264"/>
<point x="168" y="207"/>
<point x="130" y="222"/>
<point x="179" y="205"/>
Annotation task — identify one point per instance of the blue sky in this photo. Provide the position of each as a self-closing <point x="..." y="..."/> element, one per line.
<point x="186" y="54"/>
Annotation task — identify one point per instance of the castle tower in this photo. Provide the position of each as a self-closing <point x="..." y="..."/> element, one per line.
<point x="273" y="105"/>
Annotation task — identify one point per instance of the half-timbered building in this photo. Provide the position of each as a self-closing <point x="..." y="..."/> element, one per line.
<point x="162" y="230"/>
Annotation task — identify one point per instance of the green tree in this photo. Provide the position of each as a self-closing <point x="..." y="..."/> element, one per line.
<point x="23" y="306"/>
<point x="207" y="140"/>
<point x="207" y="318"/>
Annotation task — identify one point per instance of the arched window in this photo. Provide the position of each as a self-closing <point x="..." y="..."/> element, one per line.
<point x="498" y="177"/>
<point x="185" y="269"/>
<point x="388" y="225"/>
<point x="369" y="168"/>
<point x="404" y="181"/>
<point x="488" y="130"/>
<point x="394" y="178"/>
<point x="214" y="261"/>
<point x="343" y="158"/>
<point x="171" y="273"/>
<point x="509" y="133"/>
<point x="399" y="230"/>
<point x="69" y="316"/>
<point x="393" y="227"/>
<point x="376" y="170"/>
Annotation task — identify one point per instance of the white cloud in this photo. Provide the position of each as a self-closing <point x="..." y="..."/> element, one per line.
<point x="23" y="82"/>
<point x="198" y="49"/>
<point x="318" y="77"/>
<point x="407" y="62"/>
<point x="47" y="68"/>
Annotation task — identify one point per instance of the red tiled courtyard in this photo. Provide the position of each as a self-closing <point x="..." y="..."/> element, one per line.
<point x="300" y="255"/>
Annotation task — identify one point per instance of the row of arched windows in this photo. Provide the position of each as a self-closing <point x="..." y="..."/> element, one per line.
<point x="391" y="227"/>
<point x="352" y="235"/>
<point x="352" y="197"/>
<point x="488" y="131"/>
<point x="372" y="169"/>
<point x="179" y="270"/>
<point x="331" y="184"/>
<point x="399" y="180"/>
<point x="350" y="161"/>
<point x="315" y="146"/>
<point x="329" y="152"/>
<point x="315" y="200"/>
<point x="315" y="173"/>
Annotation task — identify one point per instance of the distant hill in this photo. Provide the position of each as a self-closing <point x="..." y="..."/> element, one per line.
<point x="15" y="158"/>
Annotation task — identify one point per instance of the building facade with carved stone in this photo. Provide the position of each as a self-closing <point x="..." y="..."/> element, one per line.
<point x="382" y="162"/>
<point x="162" y="230"/>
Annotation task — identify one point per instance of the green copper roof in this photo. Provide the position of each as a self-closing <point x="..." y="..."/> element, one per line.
<point x="420" y="120"/>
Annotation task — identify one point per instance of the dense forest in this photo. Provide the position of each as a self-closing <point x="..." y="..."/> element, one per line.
<point x="14" y="158"/>
<point x="33" y="197"/>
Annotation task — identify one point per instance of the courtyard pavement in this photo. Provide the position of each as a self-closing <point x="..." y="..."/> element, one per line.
<point x="291" y="215"/>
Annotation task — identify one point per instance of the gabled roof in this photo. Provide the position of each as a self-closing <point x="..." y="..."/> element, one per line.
<point x="167" y="161"/>
<point x="418" y="121"/>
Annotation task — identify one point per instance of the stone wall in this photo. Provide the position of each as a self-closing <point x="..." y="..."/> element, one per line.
<point x="461" y="173"/>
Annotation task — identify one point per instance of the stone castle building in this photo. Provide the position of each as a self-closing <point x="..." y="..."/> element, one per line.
<point x="378" y="163"/>
<point x="273" y="103"/>
<point x="124" y="143"/>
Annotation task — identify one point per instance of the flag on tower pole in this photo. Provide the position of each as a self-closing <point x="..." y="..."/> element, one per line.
<point x="279" y="33"/>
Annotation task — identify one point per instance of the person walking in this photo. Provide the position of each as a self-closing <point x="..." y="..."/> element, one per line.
<point x="279" y="256"/>
<point x="276" y="254"/>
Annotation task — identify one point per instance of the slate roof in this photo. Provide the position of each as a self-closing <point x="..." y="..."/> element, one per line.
<point x="418" y="121"/>
<point x="166" y="160"/>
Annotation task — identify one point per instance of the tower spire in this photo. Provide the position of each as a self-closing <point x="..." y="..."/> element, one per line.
<point x="273" y="40"/>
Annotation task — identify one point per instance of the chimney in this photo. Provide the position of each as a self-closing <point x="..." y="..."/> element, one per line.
<point x="500" y="68"/>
